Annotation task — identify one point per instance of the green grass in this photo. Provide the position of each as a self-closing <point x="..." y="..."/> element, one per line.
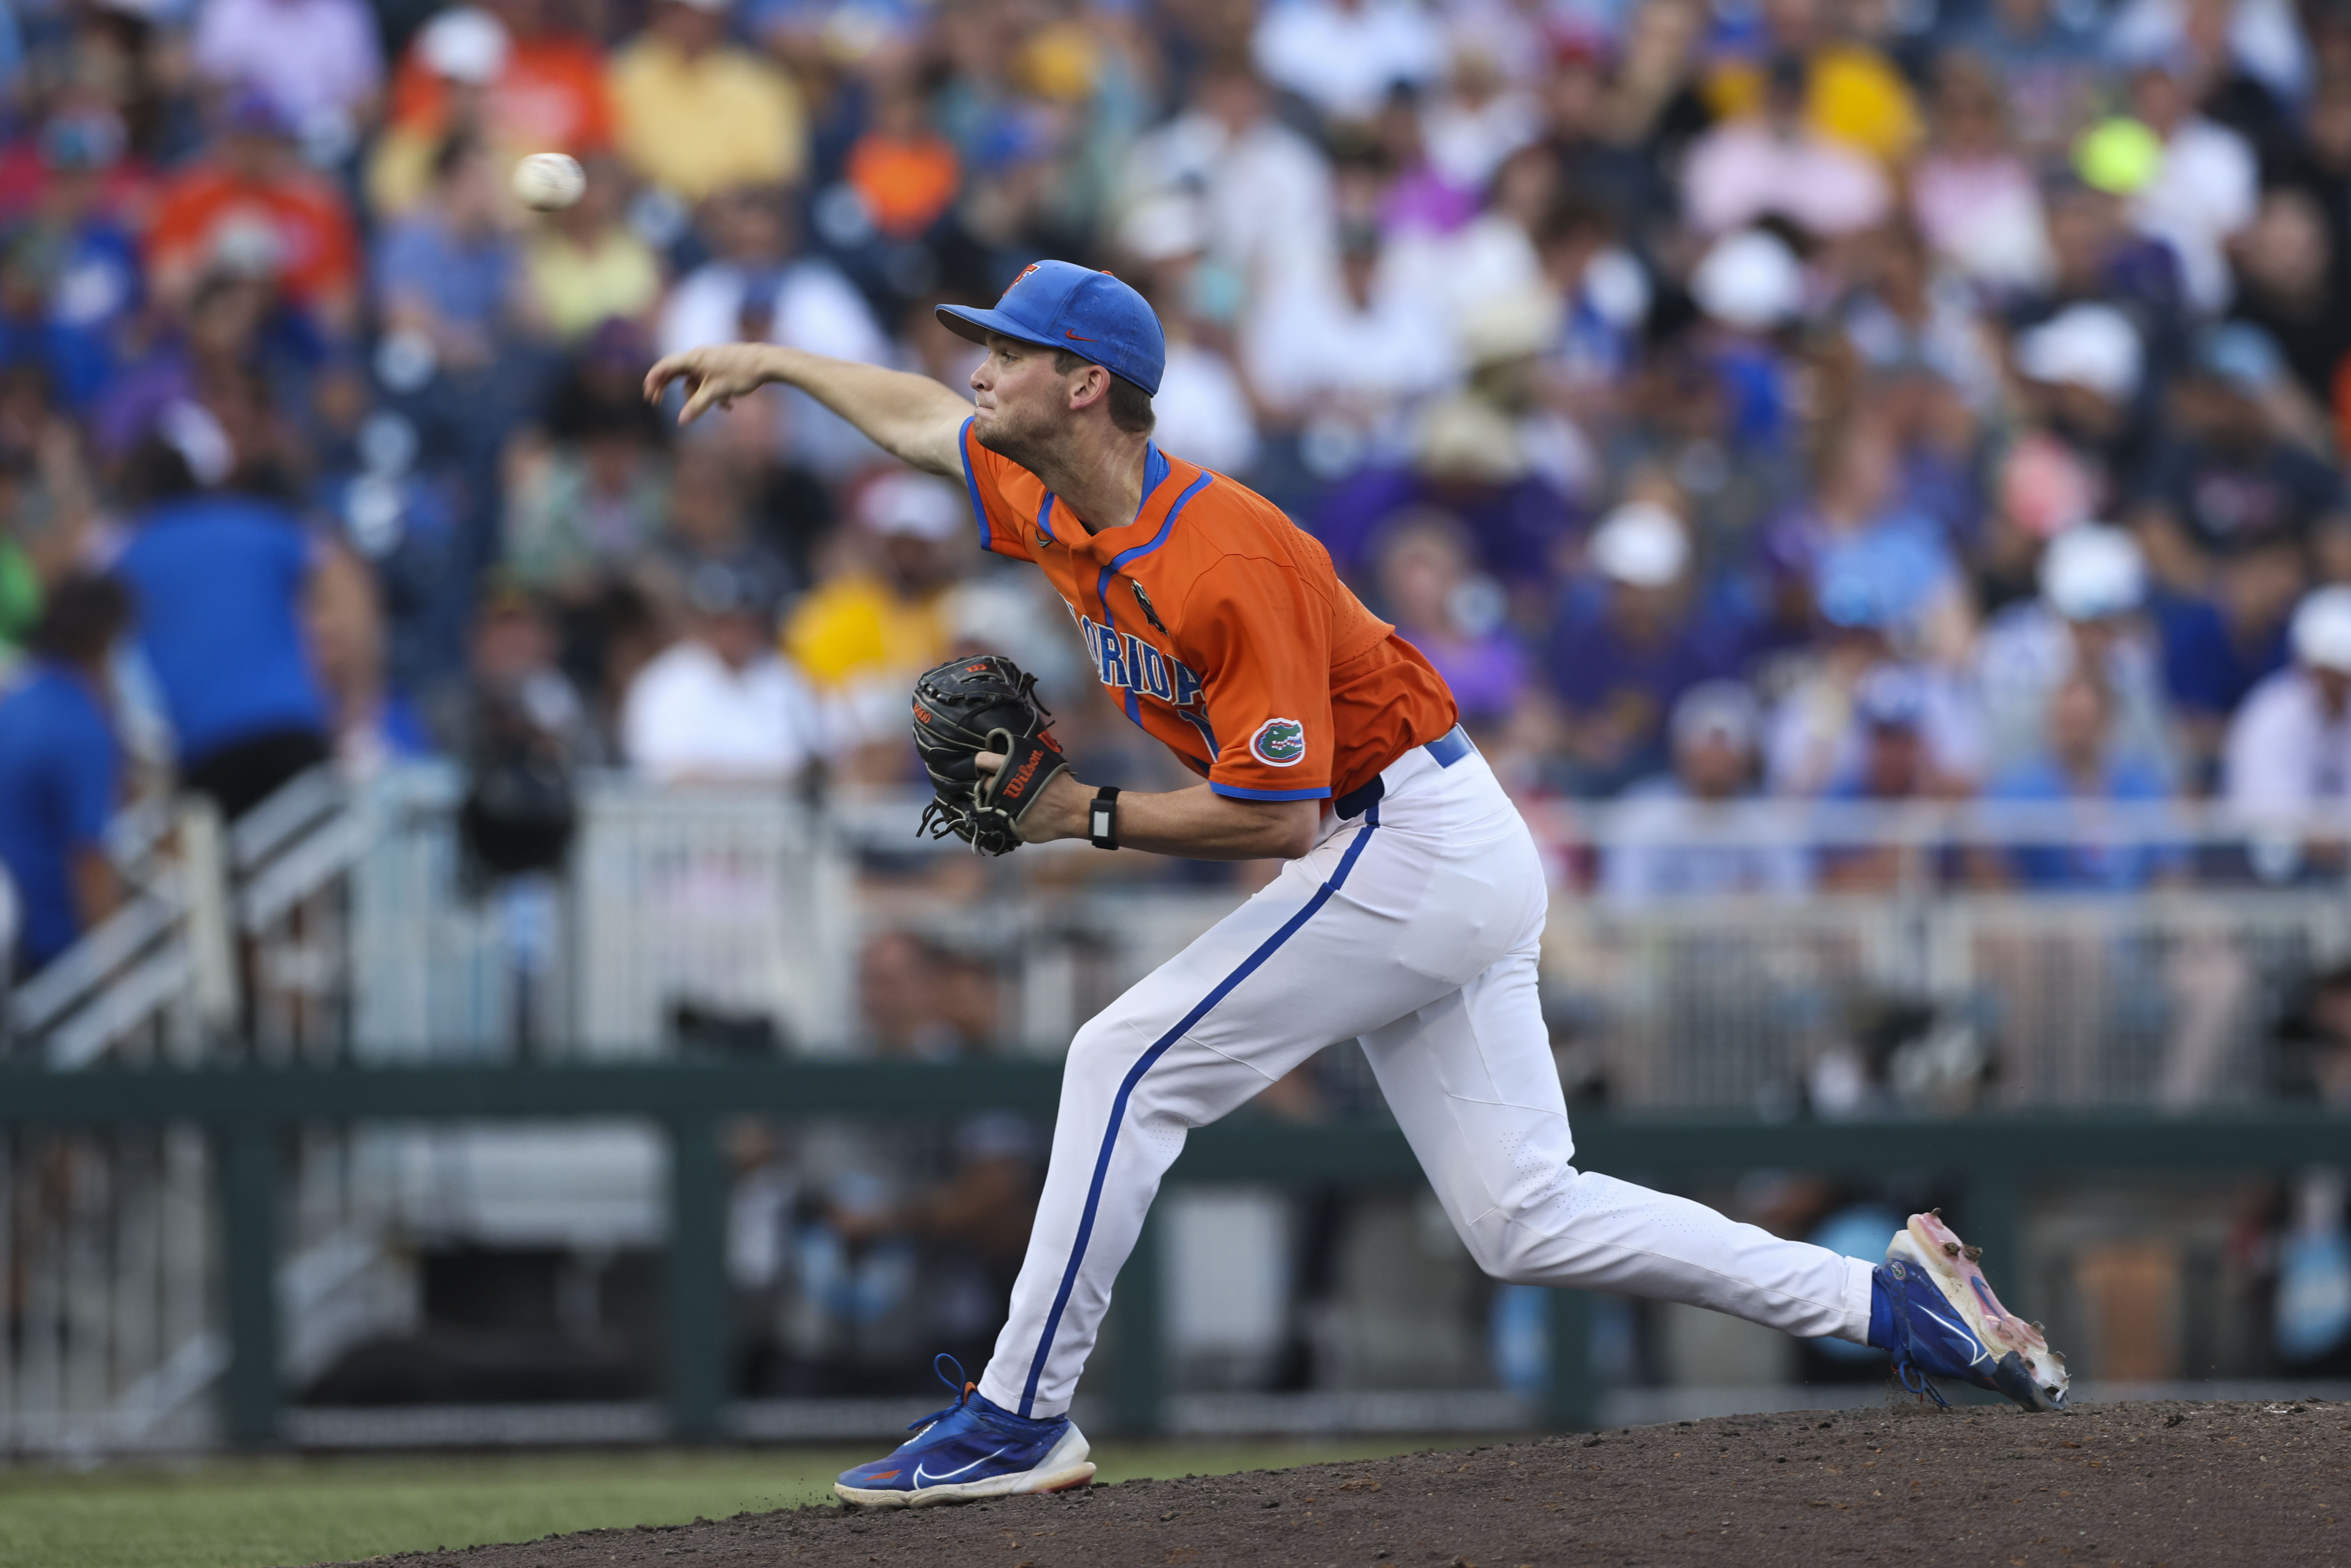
<point x="259" y="1514"/>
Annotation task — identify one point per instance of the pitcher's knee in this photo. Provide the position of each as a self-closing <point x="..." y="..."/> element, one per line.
<point x="1526" y="1242"/>
<point x="1509" y="1254"/>
<point x="1103" y="1049"/>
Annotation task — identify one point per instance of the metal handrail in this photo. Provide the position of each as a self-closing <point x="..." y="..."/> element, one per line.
<point x="135" y="965"/>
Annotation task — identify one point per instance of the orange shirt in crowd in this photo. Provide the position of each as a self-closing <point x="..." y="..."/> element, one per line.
<point x="1221" y="628"/>
<point x="318" y="252"/>
<point x="549" y="98"/>
<point x="906" y="182"/>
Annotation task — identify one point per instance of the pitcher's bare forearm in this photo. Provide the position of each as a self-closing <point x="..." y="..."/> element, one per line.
<point x="1196" y="823"/>
<point x="915" y="419"/>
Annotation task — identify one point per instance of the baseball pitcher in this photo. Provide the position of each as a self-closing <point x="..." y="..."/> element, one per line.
<point x="1408" y="912"/>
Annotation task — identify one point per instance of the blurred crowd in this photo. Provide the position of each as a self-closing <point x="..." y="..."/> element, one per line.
<point x="1847" y="399"/>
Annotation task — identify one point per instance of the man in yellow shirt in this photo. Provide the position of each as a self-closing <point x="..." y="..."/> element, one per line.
<point x="1853" y="93"/>
<point x="696" y="113"/>
<point x="864" y="636"/>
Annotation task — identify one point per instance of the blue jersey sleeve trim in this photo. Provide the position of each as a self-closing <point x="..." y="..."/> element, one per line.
<point x="971" y="487"/>
<point x="1236" y="792"/>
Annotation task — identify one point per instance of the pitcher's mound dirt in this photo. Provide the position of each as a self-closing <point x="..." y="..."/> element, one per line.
<point x="2138" y="1484"/>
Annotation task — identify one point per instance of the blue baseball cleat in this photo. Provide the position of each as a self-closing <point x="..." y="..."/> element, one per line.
<point x="1932" y="1308"/>
<point x="971" y="1449"/>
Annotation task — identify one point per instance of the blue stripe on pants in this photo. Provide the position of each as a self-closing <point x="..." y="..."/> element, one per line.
<point x="1134" y="1075"/>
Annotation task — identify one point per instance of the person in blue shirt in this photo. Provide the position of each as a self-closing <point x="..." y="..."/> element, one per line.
<point x="2077" y="762"/>
<point x="223" y="580"/>
<point x="59" y="771"/>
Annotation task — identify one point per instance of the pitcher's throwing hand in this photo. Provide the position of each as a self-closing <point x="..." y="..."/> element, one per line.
<point x="714" y="377"/>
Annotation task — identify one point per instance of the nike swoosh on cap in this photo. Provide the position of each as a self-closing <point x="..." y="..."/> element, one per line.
<point x="1081" y="337"/>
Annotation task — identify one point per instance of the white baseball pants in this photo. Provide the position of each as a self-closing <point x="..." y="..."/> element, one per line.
<point x="1414" y="925"/>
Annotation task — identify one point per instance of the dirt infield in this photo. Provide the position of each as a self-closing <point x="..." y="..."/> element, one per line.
<point x="2138" y="1484"/>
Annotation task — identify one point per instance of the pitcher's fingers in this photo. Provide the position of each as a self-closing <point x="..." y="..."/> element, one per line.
<point x="988" y="762"/>
<point x="667" y="369"/>
<point x="708" y="394"/>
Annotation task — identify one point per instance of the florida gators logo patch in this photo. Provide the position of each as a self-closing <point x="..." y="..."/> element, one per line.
<point x="1279" y="743"/>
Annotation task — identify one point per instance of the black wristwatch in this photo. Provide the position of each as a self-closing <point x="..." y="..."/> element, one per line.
<point x="1101" y="818"/>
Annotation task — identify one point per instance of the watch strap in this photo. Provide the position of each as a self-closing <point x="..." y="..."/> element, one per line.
<point x="1102" y="817"/>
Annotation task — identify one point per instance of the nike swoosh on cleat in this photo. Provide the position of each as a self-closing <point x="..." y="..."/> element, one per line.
<point x="921" y="1479"/>
<point x="1977" y="1354"/>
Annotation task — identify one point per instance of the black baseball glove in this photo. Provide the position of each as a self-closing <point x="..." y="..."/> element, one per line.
<point x="962" y="708"/>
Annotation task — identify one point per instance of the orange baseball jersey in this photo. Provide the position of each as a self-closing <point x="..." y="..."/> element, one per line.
<point x="1221" y="628"/>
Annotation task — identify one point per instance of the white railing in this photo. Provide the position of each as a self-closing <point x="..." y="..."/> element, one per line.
<point x="2153" y="966"/>
<point x="333" y="922"/>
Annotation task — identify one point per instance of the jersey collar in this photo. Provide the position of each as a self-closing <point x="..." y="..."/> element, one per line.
<point x="1156" y="469"/>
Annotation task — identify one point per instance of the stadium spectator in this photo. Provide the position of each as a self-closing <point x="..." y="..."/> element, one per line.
<point x="1716" y="729"/>
<point x="2238" y="483"/>
<point x="446" y="274"/>
<point x="61" y="771"/>
<point x="759" y="288"/>
<point x="512" y="676"/>
<point x="514" y="75"/>
<point x="2196" y="186"/>
<point x="1203" y="409"/>
<point x="1341" y="366"/>
<point x="250" y="207"/>
<point x="1428" y="585"/>
<point x="584" y="501"/>
<point x="1843" y="87"/>
<point x="2289" y="747"/>
<point x="1266" y="189"/>
<point x="318" y="62"/>
<point x="695" y="114"/>
<point x="2049" y="60"/>
<point x="709" y="528"/>
<point x="1343" y="56"/>
<point x="522" y="731"/>
<point x="225" y="579"/>
<point x="584" y="266"/>
<point x="75" y="287"/>
<point x="1778" y="163"/>
<point x="2083" y="369"/>
<point x="1871" y="554"/>
<point x="1479" y="119"/>
<point x="1973" y="194"/>
<point x="1623" y="648"/>
<point x="2078" y="760"/>
<point x="879" y="619"/>
<point x="906" y="173"/>
<point x="2087" y="620"/>
<point x="720" y="706"/>
<point x="2289" y="286"/>
<point x="1897" y="748"/>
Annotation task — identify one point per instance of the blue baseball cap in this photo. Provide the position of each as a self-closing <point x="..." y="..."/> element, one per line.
<point x="1060" y="305"/>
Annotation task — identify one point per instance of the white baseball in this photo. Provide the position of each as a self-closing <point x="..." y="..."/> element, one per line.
<point x="549" y="182"/>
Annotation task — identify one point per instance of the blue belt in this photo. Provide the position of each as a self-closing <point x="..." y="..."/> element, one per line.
<point x="1447" y="749"/>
